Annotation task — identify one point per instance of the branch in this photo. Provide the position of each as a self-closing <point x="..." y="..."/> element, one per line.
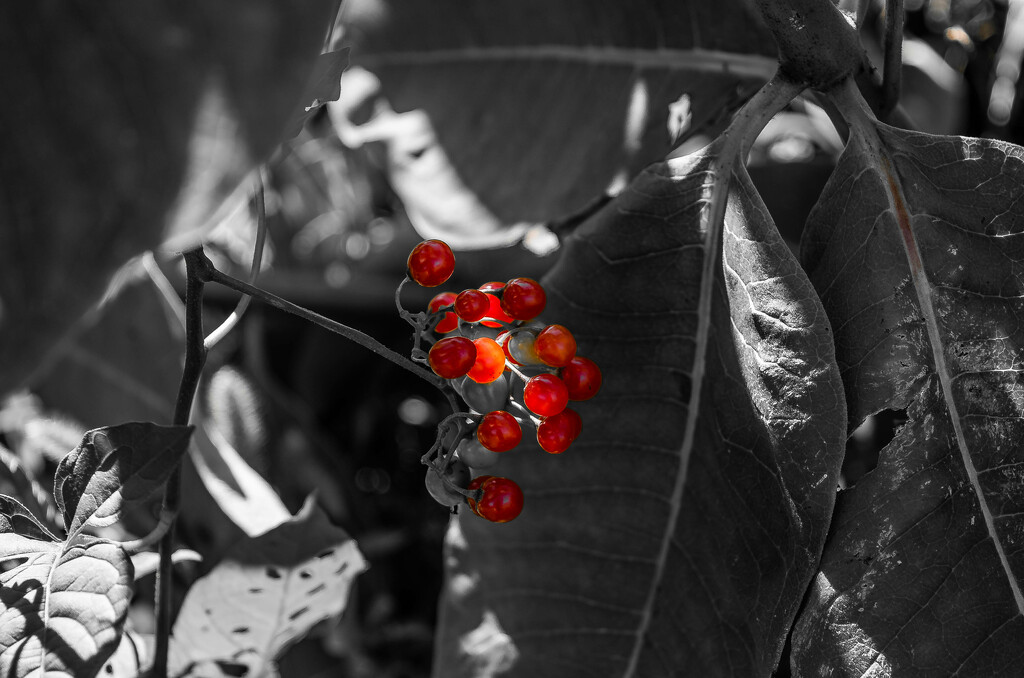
<point x="195" y="358"/>
<point x="893" y="44"/>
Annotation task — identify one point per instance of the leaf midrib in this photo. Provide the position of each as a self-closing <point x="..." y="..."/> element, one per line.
<point x="922" y="286"/>
<point x="694" y="59"/>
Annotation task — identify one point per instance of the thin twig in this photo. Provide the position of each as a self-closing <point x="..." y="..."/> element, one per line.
<point x="893" y="64"/>
<point x="195" y="358"/>
<point x="156" y="534"/>
<point x="254" y="269"/>
<point x="361" y="338"/>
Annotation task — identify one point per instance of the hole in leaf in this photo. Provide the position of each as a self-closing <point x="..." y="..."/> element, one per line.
<point x="298" y="613"/>
<point x="108" y="669"/>
<point x="12" y="563"/>
<point x="273" y="573"/>
<point x="344" y="566"/>
<point x="316" y="589"/>
<point x="240" y="629"/>
<point x="867" y="441"/>
<point x="232" y="668"/>
<point x="325" y="554"/>
<point x="305" y="574"/>
<point x="256" y="589"/>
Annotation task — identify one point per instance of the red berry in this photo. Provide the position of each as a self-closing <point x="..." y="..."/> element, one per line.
<point x="484" y="397"/>
<point x="472" y="453"/>
<point x="523" y="298"/>
<point x="494" y="305"/>
<point x="582" y="377"/>
<point x="503" y="341"/>
<point x="501" y="500"/>
<point x="431" y="263"/>
<point x="545" y="395"/>
<point x="450" y="321"/>
<point x="489" y="363"/>
<point x="472" y="305"/>
<point x="499" y="431"/>
<point x="452" y="357"/>
<point x="457" y="473"/>
<point x="555" y="345"/>
<point x="556" y="433"/>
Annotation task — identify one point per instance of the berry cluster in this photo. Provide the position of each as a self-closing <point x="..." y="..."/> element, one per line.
<point x="509" y="369"/>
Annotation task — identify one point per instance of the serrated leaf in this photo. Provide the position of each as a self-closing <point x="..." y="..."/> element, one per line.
<point x="917" y="249"/>
<point x="265" y="595"/>
<point x="678" y="533"/>
<point x="324" y="85"/>
<point x="499" y="114"/>
<point x="61" y="607"/>
<point x="115" y="469"/>
<point x="169" y="107"/>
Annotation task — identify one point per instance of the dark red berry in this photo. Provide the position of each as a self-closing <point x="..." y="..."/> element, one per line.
<point x="501" y="500"/>
<point x="452" y="357"/>
<point x="494" y="305"/>
<point x="499" y="431"/>
<point x="523" y="298"/>
<point x="472" y="305"/>
<point x="431" y="263"/>
<point x="556" y="433"/>
<point x="546" y="395"/>
<point x="582" y="377"/>
<point x="555" y="345"/>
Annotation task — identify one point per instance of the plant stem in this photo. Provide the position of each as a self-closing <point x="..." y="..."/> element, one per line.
<point x="195" y="358"/>
<point x="891" y="73"/>
<point x="211" y="274"/>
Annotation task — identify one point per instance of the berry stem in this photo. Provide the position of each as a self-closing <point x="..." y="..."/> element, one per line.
<point x="211" y="274"/>
<point x="516" y="371"/>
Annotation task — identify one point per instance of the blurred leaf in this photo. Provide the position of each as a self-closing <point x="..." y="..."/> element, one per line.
<point x="114" y="470"/>
<point x="146" y="563"/>
<point x="499" y="114"/>
<point x="240" y="492"/>
<point x="27" y="490"/>
<point x="131" y="659"/>
<point x="679" y="532"/>
<point x="15" y="517"/>
<point x="165" y="108"/>
<point x="61" y="606"/>
<point x="124" y="362"/>
<point x="324" y="85"/>
<point x="917" y="249"/>
<point x="233" y="406"/>
<point x="267" y="594"/>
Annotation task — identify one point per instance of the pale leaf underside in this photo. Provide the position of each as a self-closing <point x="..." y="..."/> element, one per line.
<point x="627" y="561"/>
<point x="536" y="108"/>
<point x="61" y="607"/>
<point x="917" y="249"/>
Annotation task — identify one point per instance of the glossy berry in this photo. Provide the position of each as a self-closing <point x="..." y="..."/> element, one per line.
<point x="472" y="305"/>
<point x="457" y="473"/>
<point x="582" y="377"/>
<point x="499" y="431"/>
<point x="494" y="305"/>
<point x="523" y="298"/>
<point x="522" y="348"/>
<point x="545" y="395"/>
<point x="472" y="453"/>
<point x="556" y="433"/>
<point x="501" y="500"/>
<point x="484" y="397"/>
<point x="431" y="263"/>
<point x="489" y="363"/>
<point x="452" y="357"/>
<point x="450" y="321"/>
<point x="503" y="341"/>
<point x="555" y="345"/>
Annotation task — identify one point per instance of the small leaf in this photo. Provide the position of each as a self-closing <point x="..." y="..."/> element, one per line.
<point x="917" y="249"/>
<point x="39" y="502"/>
<point x="16" y="519"/>
<point x="324" y="85"/>
<point x="266" y="594"/>
<point x="61" y="608"/>
<point x="114" y="469"/>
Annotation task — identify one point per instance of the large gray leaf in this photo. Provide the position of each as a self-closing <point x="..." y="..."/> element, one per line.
<point x="917" y="249"/>
<point x="511" y="111"/>
<point x="265" y="595"/>
<point x="677" y="535"/>
<point x="61" y="607"/>
<point x="116" y="469"/>
<point x="165" y="108"/>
